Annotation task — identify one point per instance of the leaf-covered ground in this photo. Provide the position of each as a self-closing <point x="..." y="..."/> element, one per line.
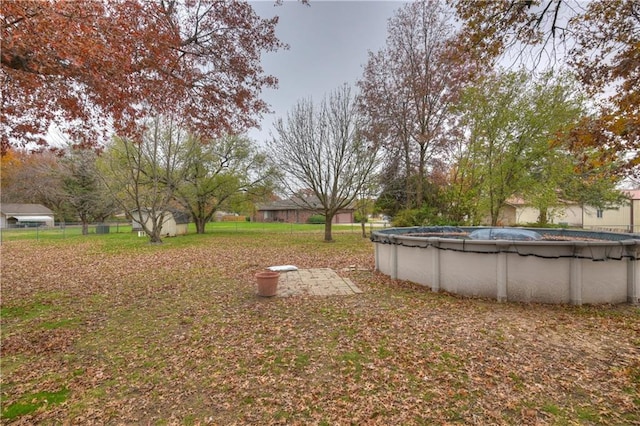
<point x="93" y="333"/>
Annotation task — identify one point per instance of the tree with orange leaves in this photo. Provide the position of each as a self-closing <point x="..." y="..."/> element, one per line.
<point x="93" y="67"/>
<point x="601" y="42"/>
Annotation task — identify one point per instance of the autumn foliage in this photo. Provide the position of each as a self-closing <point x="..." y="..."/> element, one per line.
<point x="600" y="40"/>
<point x="88" y="66"/>
<point x="407" y="89"/>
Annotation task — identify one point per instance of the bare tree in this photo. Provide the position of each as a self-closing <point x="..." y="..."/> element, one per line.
<point x="143" y="175"/>
<point x="407" y="88"/>
<point x="322" y="149"/>
<point x="34" y="177"/>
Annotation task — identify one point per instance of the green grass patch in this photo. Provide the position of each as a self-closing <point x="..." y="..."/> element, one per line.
<point x="384" y="352"/>
<point x="123" y="233"/>
<point x="302" y="360"/>
<point x="588" y="414"/>
<point x="518" y="381"/>
<point x="552" y="409"/>
<point x="63" y="323"/>
<point x="353" y="361"/>
<point x="24" y="312"/>
<point x="29" y="403"/>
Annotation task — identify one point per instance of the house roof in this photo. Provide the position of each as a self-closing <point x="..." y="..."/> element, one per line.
<point x="520" y="202"/>
<point x="289" y="204"/>
<point x="633" y="194"/>
<point x="179" y="216"/>
<point x="296" y="203"/>
<point x="21" y="218"/>
<point x="24" y="209"/>
<point x="515" y="201"/>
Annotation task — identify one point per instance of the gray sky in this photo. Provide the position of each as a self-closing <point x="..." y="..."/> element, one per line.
<point x="328" y="44"/>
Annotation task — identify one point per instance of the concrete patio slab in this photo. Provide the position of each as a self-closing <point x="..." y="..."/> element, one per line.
<point x="315" y="282"/>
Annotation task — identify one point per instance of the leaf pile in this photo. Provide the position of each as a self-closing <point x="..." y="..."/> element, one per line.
<point x="176" y="334"/>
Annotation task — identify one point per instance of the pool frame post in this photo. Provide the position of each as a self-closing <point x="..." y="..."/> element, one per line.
<point x="633" y="278"/>
<point x="501" y="271"/>
<point x="435" y="263"/>
<point x="575" y="283"/>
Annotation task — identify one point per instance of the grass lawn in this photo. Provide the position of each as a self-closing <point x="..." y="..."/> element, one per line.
<point x="124" y="229"/>
<point x="108" y="329"/>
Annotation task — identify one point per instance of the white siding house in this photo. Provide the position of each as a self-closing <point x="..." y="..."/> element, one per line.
<point x="624" y="218"/>
<point x="517" y="211"/>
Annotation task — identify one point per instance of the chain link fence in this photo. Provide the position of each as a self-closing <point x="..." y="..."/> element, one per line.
<point x="61" y="230"/>
<point x="71" y="230"/>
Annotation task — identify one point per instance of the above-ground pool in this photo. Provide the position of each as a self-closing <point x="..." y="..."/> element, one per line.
<point x="563" y="266"/>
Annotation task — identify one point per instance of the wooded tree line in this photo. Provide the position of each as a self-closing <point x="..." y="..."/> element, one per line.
<point x="457" y="134"/>
<point x="534" y="99"/>
<point x="167" y="168"/>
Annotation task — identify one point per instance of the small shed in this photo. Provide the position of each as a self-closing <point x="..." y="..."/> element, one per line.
<point x="25" y="215"/>
<point x="175" y="222"/>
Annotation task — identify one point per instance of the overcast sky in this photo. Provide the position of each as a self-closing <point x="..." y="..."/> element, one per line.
<point x="328" y="44"/>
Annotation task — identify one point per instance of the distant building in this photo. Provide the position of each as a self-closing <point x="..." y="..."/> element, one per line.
<point x="625" y="218"/>
<point x="517" y="211"/>
<point x="25" y="215"/>
<point x="175" y="222"/>
<point x="295" y="211"/>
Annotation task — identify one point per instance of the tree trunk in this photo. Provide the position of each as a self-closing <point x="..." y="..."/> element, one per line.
<point x="364" y="230"/>
<point x="154" y="237"/>
<point x="410" y="196"/>
<point x="85" y="228"/>
<point x="327" y="228"/>
<point x="421" y="177"/>
<point x="543" y="218"/>
<point x="200" y="224"/>
<point x="495" y="214"/>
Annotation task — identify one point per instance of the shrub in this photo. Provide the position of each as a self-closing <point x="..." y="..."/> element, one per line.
<point x="544" y="225"/>
<point x="358" y="217"/>
<point x="409" y="217"/>
<point x="421" y="217"/>
<point x="317" y="219"/>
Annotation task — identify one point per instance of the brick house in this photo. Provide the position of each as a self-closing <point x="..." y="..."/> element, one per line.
<point x="296" y="211"/>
